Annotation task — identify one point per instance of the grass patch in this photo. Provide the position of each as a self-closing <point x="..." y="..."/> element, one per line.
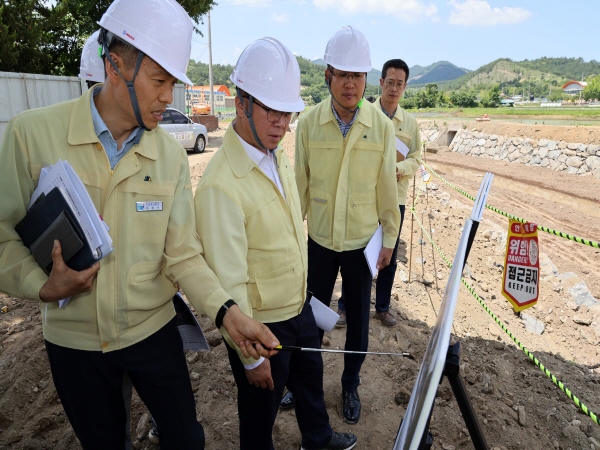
<point x="516" y="112"/>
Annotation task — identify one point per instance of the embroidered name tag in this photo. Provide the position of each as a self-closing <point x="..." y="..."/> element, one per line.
<point x="148" y="206"/>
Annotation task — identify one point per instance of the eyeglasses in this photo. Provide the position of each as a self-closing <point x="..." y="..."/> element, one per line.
<point x="273" y="115"/>
<point x="349" y="76"/>
<point x="390" y="84"/>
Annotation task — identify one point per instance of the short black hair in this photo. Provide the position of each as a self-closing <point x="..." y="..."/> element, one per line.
<point x="394" y="64"/>
<point x="126" y="51"/>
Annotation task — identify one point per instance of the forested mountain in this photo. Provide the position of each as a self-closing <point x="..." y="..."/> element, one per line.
<point x="434" y="73"/>
<point x="568" y="68"/>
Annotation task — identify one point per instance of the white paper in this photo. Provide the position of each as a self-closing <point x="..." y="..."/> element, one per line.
<point x="97" y="221"/>
<point x="324" y="316"/>
<point x="373" y="249"/>
<point x="189" y="329"/>
<point x="401" y="147"/>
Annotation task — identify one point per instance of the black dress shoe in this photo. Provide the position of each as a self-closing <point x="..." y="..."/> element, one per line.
<point x="351" y="406"/>
<point x="287" y="402"/>
<point x="340" y="441"/>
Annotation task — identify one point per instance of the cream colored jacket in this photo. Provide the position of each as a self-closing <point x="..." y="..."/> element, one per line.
<point x="406" y="129"/>
<point x="153" y="251"/>
<point x="347" y="185"/>
<point x="254" y="239"/>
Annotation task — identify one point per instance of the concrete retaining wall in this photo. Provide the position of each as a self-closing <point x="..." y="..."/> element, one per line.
<point x="569" y="157"/>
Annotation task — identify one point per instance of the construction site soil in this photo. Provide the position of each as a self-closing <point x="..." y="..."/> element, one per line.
<point x="518" y="406"/>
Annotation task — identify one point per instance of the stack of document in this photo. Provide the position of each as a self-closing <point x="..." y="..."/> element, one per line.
<point x="373" y="249"/>
<point x="61" y="209"/>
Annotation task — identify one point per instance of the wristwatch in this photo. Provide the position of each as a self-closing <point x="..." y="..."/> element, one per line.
<point x="222" y="311"/>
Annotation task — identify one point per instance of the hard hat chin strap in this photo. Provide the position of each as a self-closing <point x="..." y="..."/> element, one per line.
<point x="130" y="86"/>
<point x="248" y="113"/>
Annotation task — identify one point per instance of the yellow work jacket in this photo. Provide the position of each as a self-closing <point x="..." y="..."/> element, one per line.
<point x="153" y="251"/>
<point x="406" y="129"/>
<point x="253" y="237"/>
<point x="347" y="185"/>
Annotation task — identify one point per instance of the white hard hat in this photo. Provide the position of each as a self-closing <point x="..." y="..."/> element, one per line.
<point x="269" y="72"/>
<point x="348" y="50"/>
<point x="91" y="66"/>
<point x="159" y="28"/>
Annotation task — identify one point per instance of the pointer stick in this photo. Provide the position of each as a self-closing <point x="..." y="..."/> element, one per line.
<point x="323" y="350"/>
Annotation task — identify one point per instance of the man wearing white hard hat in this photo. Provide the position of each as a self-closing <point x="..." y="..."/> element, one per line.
<point x="120" y="317"/>
<point x="346" y="178"/>
<point x="248" y="219"/>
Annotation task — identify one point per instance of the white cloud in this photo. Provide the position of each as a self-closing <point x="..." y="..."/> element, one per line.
<point x="281" y="18"/>
<point x="409" y="11"/>
<point x="479" y="12"/>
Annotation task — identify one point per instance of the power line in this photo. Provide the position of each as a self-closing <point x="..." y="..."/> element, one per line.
<point x="241" y="3"/>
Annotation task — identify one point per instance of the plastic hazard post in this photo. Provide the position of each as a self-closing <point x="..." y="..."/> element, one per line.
<point x="520" y="280"/>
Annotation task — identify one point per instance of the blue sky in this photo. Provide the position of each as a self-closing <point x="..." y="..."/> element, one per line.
<point x="468" y="33"/>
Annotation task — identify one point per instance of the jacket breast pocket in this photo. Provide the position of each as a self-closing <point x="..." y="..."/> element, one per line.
<point x="279" y="286"/>
<point x="365" y="161"/>
<point x="320" y="212"/>
<point x="146" y="208"/>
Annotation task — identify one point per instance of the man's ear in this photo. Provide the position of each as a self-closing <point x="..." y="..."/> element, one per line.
<point x="327" y="76"/>
<point x="239" y="107"/>
<point x="112" y="76"/>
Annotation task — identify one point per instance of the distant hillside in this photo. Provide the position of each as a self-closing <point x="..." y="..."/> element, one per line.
<point x="502" y="71"/>
<point x="569" y="68"/>
<point x="373" y="76"/>
<point x="554" y="71"/>
<point x="435" y="73"/>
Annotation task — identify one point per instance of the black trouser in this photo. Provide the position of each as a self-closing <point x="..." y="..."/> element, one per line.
<point x="385" y="278"/>
<point x="323" y="267"/>
<point x="301" y="372"/>
<point x="89" y="384"/>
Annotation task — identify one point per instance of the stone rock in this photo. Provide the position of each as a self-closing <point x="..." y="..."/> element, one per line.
<point x="214" y="338"/>
<point x="402" y="397"/>
<point x="593" y="149"/>
<point x="572" y="146"/>
<point x="562" y="158"/>
<point x="536" y="160"/>
<point x="547" y="267"/>
<point x="583" y="319"/>
<point x="193" y="358"/>
<point x="543" y="152"/>
<point x="543" y="142"/>
<point x="566" y="276"/>
<point x="420" y="261"/>
<point x="582" y="296"/>
<point x="403" y="276"/>
<point x="532" y="324"/>
<point x="574" y="161"/>
<point x="553" y="154"/>
<point x="143" y="427"/>
<point x="582" y="148"/>
<point x="593" y="162"/>
<point x="522" y="416"/>
<point x="480" y="142"/>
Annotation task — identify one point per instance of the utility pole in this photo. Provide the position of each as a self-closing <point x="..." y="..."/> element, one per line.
<point x="210" y="71"/>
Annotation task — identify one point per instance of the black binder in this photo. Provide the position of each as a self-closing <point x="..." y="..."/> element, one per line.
<point x="51" y="218"/>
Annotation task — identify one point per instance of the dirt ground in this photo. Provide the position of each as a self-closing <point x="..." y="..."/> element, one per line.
<point x="516" y="403"/>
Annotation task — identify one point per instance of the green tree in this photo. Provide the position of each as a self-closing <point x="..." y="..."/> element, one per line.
<point x="47" y="36"/>
<point x="592" y="90"/>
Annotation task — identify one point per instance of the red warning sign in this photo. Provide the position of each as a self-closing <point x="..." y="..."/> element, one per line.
<point x="520" y="280"/>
